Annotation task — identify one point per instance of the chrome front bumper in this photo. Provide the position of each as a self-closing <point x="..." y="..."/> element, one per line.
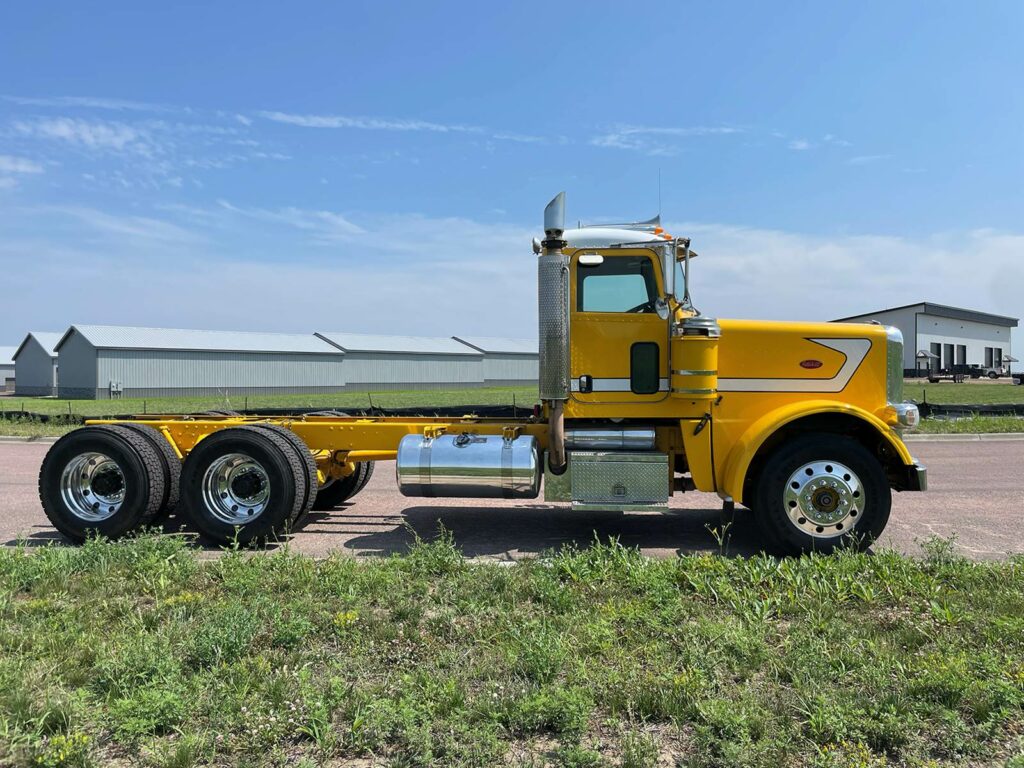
<point x="915" y="478"/>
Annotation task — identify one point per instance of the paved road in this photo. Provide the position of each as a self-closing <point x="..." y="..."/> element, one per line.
<point x="977" y="494"/>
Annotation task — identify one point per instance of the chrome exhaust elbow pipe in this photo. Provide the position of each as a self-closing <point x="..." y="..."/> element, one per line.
<point x="556" y="437"/>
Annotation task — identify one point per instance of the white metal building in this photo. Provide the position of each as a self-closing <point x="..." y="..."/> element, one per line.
<point x="112" y="361"/>
<point x="36" y="365"/>
<point x="507" y="362"/>
<point x="406" y="362"/>
<point x="936" y="336"/>
<point x="7" y="368"/>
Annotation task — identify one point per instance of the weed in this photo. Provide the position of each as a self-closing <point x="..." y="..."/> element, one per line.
<point x="140" y="653"/>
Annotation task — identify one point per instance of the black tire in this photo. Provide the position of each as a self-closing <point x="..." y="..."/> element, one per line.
<point x="172" y="467"/>
<point x="367" y="474"/>
<point x="285" y="476"/>
<point x="141" y="482"/>
<point x="339" y="414"/>
<point x="993" y="375"/>
<point x="866" y="504"/>
<point x="340" y="490"/>
<point x="312" y="479"/>
<point x="220" y="413"/>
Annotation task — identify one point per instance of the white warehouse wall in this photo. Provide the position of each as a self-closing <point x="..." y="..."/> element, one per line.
<point x="975" y="336"/>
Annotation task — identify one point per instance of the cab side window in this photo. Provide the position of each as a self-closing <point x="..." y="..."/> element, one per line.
<point x="624" y="284"/>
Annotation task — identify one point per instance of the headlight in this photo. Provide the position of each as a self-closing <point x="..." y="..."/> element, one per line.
<point x="907" y="414"/>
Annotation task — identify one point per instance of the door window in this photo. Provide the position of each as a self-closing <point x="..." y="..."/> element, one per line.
<point x="644" y="362"/>
<point x="624" y="284"/>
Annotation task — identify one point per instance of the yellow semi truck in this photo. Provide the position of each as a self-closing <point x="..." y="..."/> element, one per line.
<point x="641" y="396"/>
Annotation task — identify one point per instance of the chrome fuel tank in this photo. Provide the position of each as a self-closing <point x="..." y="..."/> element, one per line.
<point x="469" y="466"/>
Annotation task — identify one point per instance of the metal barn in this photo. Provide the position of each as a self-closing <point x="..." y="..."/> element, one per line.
<point x="937" y="336"/>
<point x="113" y="361"/>
<point x="406" y="362"/>
<point x="7" y="368"/>
<point x="507" y="362"/>
<point x="36" y="365"/>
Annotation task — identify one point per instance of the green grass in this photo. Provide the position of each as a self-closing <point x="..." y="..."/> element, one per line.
<point x="971" y="425"/>
<point x="19" y="427"/>
<point x="524" y="397"/>
<point x="970" y="393"/>
<point x="139" y="653"/>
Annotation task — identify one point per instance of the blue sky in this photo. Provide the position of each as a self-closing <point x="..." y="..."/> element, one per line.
<point x="382" y="167"/>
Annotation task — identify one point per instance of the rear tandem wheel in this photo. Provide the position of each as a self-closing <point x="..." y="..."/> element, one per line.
<point x="244" y="484"/>
<point x="104" y="480"/>
<point x="334" y="492"/>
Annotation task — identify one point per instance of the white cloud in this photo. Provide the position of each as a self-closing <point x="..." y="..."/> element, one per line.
<point x="867" y="159"/>
<point x="366" y="123"/>
<point x="651" y="140"/>
<point x="829" y="138"/>
<point x="6" y="182"/>
<point x="744" y="272"/>
<point x="799" y="145"/>
<point x="89" y="134"/>
<point x="325" y="226"/>
<point x="88" y="102"/>
<point x="10" y="164"/>
<point x="520" y="138"/>
<point x="120" y="227"/>
<point x="369" y="281"/>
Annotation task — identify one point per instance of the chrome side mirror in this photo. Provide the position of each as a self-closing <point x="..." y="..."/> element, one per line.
<point x="661" y="307"/>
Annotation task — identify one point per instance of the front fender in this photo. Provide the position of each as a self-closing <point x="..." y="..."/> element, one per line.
<point x="737" y="461"/>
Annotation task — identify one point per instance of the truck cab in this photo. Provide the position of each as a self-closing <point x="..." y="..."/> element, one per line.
<point x="798" y="421"/>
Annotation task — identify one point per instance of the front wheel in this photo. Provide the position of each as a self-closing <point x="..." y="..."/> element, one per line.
<point x="817" y="493"/>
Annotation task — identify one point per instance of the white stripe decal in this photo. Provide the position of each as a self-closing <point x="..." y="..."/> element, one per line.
<point x="615" y="385"/>
<point x="855" y="351"/>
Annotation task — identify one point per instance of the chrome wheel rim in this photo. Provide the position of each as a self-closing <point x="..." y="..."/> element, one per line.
<point x="236" y="489"/>
<point x="92" y="487"/>
<point x="824" y="498"/>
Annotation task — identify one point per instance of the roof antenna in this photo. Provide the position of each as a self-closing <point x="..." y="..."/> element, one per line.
<point x="659" y="192"/>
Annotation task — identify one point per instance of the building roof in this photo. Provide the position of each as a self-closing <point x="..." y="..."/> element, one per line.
<point x="7" y="355"/>
<point x="500" y="345"/>
<point x="363" y="342"/>
<point x="128" y="337"/>
<point x="944" y="310"/>
<point x="47" y="340"/>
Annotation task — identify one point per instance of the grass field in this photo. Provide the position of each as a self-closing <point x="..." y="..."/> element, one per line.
<point x="524" y="396"/>
<point x="971" y="425"/>
<point x="138" y="653"/>
<point x="970" y="393"/>
<point x="16" y="426"/>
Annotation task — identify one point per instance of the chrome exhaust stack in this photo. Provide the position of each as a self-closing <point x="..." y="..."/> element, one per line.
<point x="553" y="327"/>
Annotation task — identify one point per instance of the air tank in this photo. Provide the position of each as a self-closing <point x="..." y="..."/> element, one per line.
<point x="695" y="358"/>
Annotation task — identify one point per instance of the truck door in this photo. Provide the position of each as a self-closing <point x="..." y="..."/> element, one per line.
<point x="618" y="327"/>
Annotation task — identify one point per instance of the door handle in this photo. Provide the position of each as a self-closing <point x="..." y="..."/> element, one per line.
<point x="586" y="384"/>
